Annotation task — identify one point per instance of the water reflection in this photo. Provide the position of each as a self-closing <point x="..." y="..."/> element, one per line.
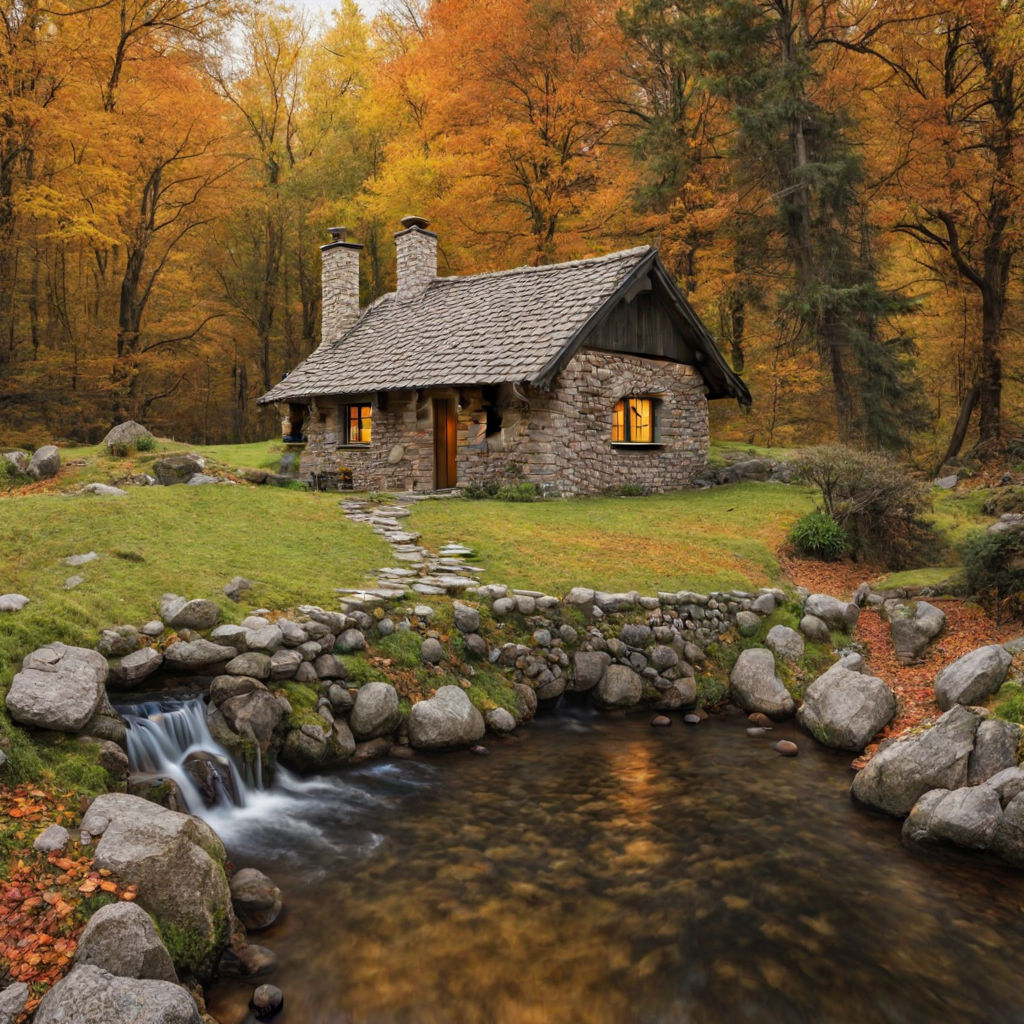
<point x="599" y="872"/>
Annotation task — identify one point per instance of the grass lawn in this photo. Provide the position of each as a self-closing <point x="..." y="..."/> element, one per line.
<point x="717" y="539"/>
<point x="294" y="546"/>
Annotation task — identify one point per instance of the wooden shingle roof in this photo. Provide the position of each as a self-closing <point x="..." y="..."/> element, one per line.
<point x="516" y="325"/>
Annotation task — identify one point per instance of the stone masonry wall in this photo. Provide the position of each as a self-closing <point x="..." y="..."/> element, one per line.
<point x="559" y="439"/>
<point x="340" y="275"/>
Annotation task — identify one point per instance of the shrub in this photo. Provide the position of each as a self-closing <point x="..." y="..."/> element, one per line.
<point x="994" y="570"/>
<point x="632" y="490"/>
<point x="477" y="492"/>
<point x="874" y="499"/>
<point x="146" y="443"/>
<point x="524" y="491"/>
<point x="818" y="535"/>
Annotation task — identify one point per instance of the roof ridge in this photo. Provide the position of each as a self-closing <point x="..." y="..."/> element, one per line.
<point x="547" y="267"/>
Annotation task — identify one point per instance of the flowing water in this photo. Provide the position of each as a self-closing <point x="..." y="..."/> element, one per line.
<point x="598" y="871"/>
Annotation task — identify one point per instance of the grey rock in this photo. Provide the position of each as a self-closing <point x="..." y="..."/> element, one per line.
<point x="59" y="688"/>
<point x="229" y="635"/>
<point x="845" y="709"/>
<point x="588" y="668"/>
<point x="499" y="720"/>
<point x="12" y="602"/>
<point x="503" y="607"/>
<point x="52" y="840"/>
<point x="12" y="1002"/>
<point x="351" y="640"/>
<point x="255" y="715"/>
<point x="918" y="823"/>
<point x="305" y="673"/>
<point x="267" y="639"/>
<point x="834" y="613"/>
<point x="328" y="666"/>
<point x="83" y="559"/>
<point x="18" y="459"/>
<point x="526" y="702"/>
<point x="177" y="863"/>
<point x="447" y="719"/>
<point x="178" y="469"/>
<point x="967" y="817"/>
<point x="119" y="641"/>
<point x="128" y="433"/>
<point x="541" y="638"/>
<point x="619" y="687"/>
<point x="476" y="645"/>
<point x="153" y="628"/>
<point x="236" y="587"/>
<point x="551" y="688"/>
<point x="257" y="901"/>
<point x="431" y="651"/>
<point x="135" y="667"/>
<point x="785" y="643"/>
<point x="120" y="938"/>
<point x="815" y="629"/>
<point x="635" y="634"/>
<point x="45" y="463"/>
<point x="293" y="635"/>
<point x="1008" y="783"/>
<point x="1008" y="841"/>
<point x="755" y="686"/>
<point x="763" y="604"/>
<point x="609" y="603"/>
<point x="467" y="619"/>
<point x="902" y="771"/>
<point x="90" y="995"/>
<point x="748" y="623"/>
<point x="995" y="749"/>
<point x="376" y="711"/>
<point x="178" y="613"/>
<point x="285" y="663"/>
<point x="251" y="663"/>
<point x="680" y="693"/>
<point x="973" y="677"/>
<point x="913" y="627"/>
<point x="663" y="657"/>
<point x="111" y="758"/>
<point x="197" y="655"/>
<point x="526" y="604"/>
<point x="946" y="483"/>
<point x="104" y="490"/>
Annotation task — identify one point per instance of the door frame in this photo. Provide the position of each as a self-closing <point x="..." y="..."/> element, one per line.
<point x="445" y="443"/>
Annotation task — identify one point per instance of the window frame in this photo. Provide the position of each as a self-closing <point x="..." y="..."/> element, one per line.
<point x="363" y="423"/>
<point x="628" y="416"/>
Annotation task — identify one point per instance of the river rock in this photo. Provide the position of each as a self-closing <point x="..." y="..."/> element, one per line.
<point x="266" y="639"/>
<point x="499" y="720"/>
<point x="12" y="602"/>
<point x="844" y="709"/>
<point x="351" y="640"/>
<point x="12" y="1001"/>
<point x="198" y="614"/>
<point x="209" y="772"/>
<point x="121" y="939"/>
<point x="198" y="656"/>
<point x="116" y="642"/>
<point x="177" y="863"/>
<point x="90" y="995"/>
<point x="376" y="711"/>
<point x="966" y="817"/>
<point x="815" y="629"/>
<point x="52" y="840"/>
<point x="747" y="623"/>
<point x="267" y="999"/>
<point x="257" y="901"/>
<point x="128" y="433"/>
<point x="1008" y="841"/>
<point x="619" y="687"/>
<point x="995" y="749"/>
<point x="913" y="627"/>
<point x="448" y="719"/>
<point x="111" y="758"/>
<point x="467" y="619"/>
<point x="431" y="651"/>
<point x="588" y="668"/>
<point x="134" y="667"/>
<point x="45" y="463"/>
<point x="254" y="664"/>
<point x="1009" y="783"/>
<point x="902" y="771"/>
<point x="756" y="687"/>
<point x="178" y="469"/>
<point x="59" y="687"/>
<point x="834" y="613"/>
<point x="680" y="693"/>
<point x="106" y="723"/>
<point x="255" y="715"/>
<point x="526" y="701"/>
<point x="973" y="677"/>
<point x="785" y="642"/>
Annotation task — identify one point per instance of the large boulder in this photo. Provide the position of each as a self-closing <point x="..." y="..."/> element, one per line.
<point x="314" y="748"/>
<point x="785" y="642"/>
<point x="177" y="863"/>
<point x="834" y="613"/>
<point x="58" y="687"/>
<point x="376" y="711"/>
<point x="45" y="463"/>
<point x="197" y="614"/>
<point x="619" y="687"/>
<point x="995" y="750"/>
<point x="973" y="677"/>
<point x="913" y="627"/>
<point x="844" y="709"/>
<point x="254" y="715"/>
<point x="90" y="995"/>
<point x="968" y="816"/>
<point x="902" y="771"/>
<point x="588" y="668"/>
<point x="121" y="939"/>
<point x="756" y="687"/>
<point x="199" y="656"/>
<point x="126" y="435"/>
<point x="178" y="469"/>
<point x="134" y="667"/>
<point x="448" y="719"/>
<point x="1008" y="841"/>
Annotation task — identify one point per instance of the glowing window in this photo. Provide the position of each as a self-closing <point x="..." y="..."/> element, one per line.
<point x="633" y="421"/>
<point x="357" y="424"/>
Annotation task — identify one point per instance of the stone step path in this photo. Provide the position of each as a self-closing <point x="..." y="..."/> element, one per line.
<point x="417" y="569"/>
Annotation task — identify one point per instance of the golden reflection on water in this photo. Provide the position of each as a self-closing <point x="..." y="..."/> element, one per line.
<point x="627" y="875"/>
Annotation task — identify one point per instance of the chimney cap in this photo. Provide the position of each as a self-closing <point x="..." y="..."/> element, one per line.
<point x="338" y="234"/>
<point x="415" y="222"/>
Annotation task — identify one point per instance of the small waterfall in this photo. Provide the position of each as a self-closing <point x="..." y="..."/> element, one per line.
<point x="170" y="739"/>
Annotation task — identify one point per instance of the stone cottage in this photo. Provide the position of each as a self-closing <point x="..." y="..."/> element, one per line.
<point x="581" y="377"/>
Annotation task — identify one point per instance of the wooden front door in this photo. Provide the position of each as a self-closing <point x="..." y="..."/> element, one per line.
<point x="444" y="443"/>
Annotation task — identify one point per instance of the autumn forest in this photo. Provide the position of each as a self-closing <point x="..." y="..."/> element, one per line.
<point x="836" y="185"/>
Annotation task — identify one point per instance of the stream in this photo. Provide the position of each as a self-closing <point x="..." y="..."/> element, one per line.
<point x="594" y="870"/>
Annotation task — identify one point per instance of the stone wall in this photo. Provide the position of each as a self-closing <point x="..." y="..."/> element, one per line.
<point x="340" y="275"/>
<point x="559" y="439"/>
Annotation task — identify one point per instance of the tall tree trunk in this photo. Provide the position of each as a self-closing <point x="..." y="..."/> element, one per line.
<point x="963" y="421"/>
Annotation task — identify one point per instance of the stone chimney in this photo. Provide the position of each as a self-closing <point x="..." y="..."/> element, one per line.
<point x="417" y="258"/>
<point x="339" y="285"/>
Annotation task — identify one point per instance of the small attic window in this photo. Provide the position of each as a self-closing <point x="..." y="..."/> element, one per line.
<point x="634" y="421"/>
